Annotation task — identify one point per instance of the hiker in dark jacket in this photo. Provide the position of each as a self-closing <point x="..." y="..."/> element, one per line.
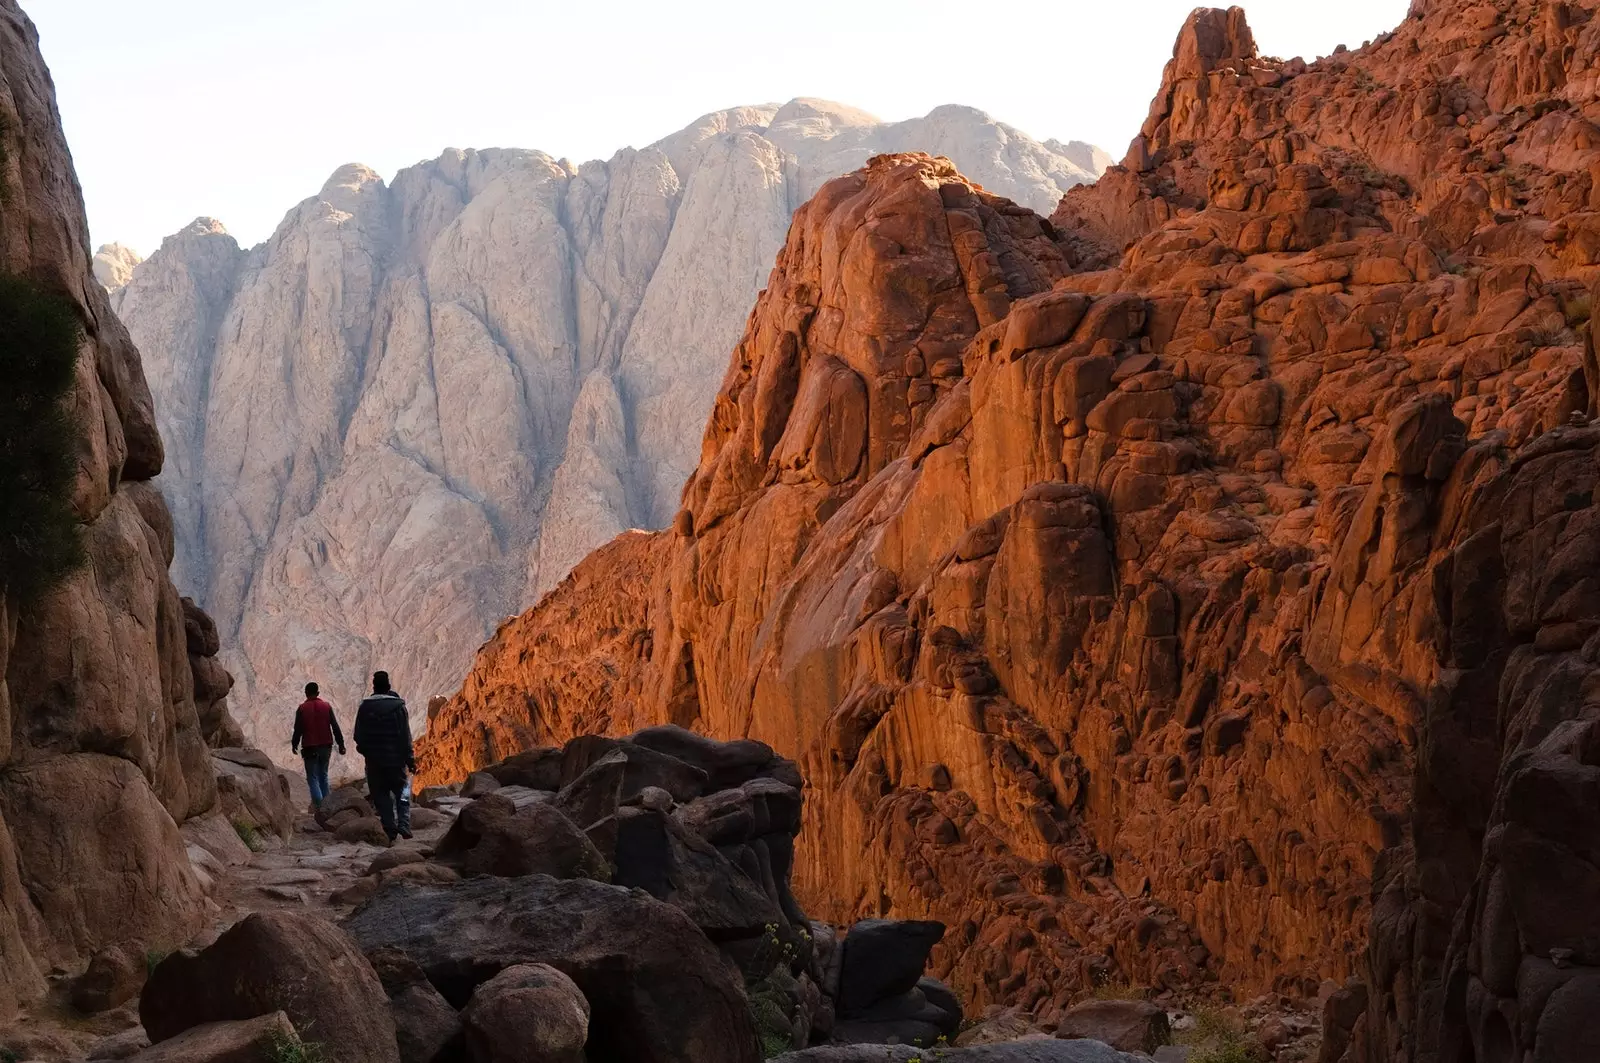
<point x="383" y="738"/>
<point x="315" y="733"/>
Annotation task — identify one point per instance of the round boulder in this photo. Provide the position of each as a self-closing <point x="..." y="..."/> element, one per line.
<point x="528" y="1013"/>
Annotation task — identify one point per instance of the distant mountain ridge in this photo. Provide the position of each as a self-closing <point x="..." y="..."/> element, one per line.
<point x="416" y="406"/>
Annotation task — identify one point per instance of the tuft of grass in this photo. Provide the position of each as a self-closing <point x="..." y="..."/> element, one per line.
<point x="1118" y="991"/>
<point x="153" y="958"/>
<point x="287" y="1049"/>
<point x="248" y="834"/>
<point x="41" y="541"/>
<point x="9" y="1055"/>
<point x="1216" y="1038"/>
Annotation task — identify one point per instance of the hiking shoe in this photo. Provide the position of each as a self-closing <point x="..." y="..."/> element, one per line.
<point x="391" y="840"/>
<point x="406" y="834"/>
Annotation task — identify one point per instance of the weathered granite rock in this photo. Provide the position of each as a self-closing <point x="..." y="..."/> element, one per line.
<point x="257" y="1040"/>
<point x="1238" y="627"/>
<point x="508" y="362"/>
<point x="529" y="1013"/>
<point x="105" y="708"/>
<point x="658" y="990"/>
<point x="286" y="961"/>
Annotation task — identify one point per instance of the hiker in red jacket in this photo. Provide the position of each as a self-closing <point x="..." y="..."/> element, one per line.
<point x="316" y="730"/>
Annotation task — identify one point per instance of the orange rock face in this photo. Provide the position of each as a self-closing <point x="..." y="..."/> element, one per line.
<point x="1199" y="585"/>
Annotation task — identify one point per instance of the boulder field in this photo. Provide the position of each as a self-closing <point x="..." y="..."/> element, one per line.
<point x="1198" y="586"/>
<point x="673" y="939"/>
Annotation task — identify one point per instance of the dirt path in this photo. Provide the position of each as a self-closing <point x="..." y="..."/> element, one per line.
<point x="310" y="869"/>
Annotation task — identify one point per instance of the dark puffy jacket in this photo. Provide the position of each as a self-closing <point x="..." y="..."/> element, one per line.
<point x="383" y="731"/>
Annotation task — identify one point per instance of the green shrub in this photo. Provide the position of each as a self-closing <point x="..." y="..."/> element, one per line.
<point x="1217" y="1038"/>
<point x="248" y="834"/>
<point x="152" y="959"/>
<point x="289" y="1049"/>
<point x="41" y="541"/>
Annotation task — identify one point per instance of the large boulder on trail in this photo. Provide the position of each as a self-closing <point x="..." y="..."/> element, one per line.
<point x="659" y="991"/>
<point x="495" y="837"/>
<point x="427" y="1029"/>
<point x="660" y="856"/>
<point x="530" y="1013"/>
<point x="286" y="961"/>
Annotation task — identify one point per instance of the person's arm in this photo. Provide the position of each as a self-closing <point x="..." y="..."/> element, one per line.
<point x="299" y="730"/>
<point x="361" y="728"/>
<point x="338" y="738"/>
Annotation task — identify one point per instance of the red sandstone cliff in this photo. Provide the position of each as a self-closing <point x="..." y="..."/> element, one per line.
<point x="1201" y="585"/>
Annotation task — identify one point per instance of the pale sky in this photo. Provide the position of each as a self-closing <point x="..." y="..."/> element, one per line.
<point x="240" y="109"/>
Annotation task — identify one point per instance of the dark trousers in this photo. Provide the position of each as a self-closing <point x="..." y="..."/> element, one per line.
<point x="386" y="783"/>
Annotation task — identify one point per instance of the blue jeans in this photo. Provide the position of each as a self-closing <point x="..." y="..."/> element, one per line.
<point x="316" y="759"/>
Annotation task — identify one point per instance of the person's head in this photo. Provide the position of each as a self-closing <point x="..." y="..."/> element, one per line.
<point x="380" y="682"/>
<point x="311" y="690"/>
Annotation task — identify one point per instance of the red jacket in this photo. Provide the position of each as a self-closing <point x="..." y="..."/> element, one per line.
<point x="315" y="726"/>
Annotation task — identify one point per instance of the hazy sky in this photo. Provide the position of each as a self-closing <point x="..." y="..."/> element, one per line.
<point x="238" y="109"/>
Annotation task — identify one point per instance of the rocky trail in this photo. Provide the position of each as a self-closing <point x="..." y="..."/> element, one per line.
<point x="499" y="881"/>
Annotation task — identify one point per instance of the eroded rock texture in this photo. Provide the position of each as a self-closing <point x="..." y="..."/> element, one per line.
<point x="412" y="410"/>
<point x="1199" y="586"/>
<point x="102" y="749"/>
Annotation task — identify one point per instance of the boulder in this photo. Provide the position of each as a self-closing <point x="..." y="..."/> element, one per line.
<point x="537" y="769"/>
<point x="644" y="766"/>
<point x="285" y="961"/>
<point x="213" y="833"/>
<point x="426" y="1026"/>
<point x="479" y="783"/>
<point x="425" y="819"/>
<point x="528" y="1013"/>
<point x="752" y="810"/>
<point x="660" y="856"/>
<point x="114" y="977"/>
<point x="1131" y="1025"/>
<point x="344" y="799"/>
<point x="365" y="829"/>
<point x="129" y="1042"/>
<point x="724" y="763"/>
<point x="251" y="789"/>
<point x="674" y="999"/>
<point x="883" y="958"/>
<point x="591" y="799"/>
<point x="428" y="796"/>
<point x="258" y="1040"/>
<point x="494" y="837"/>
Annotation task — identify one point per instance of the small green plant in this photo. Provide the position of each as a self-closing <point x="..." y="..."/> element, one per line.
<point x="9" y="1055"/>
<point x="773" y="994"/>
<point x="1216" y="1038"/>
<point x="41" y="541"/>
<point x="286" y="1048"/>
<point x="1118" y="991"/>
<point x="248" y="834"/>
<point x="153" y="958"/>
